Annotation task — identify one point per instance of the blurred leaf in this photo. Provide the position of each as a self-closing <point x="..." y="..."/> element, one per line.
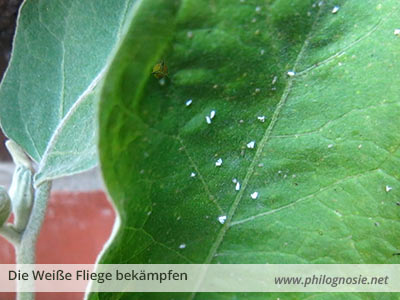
<point x="323" y="161"/>
<point x="47" y="102"/>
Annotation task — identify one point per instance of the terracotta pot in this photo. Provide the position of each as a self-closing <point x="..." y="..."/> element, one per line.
<point x="76" y="227"/>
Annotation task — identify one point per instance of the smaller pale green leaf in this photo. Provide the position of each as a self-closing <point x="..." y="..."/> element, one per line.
<point x="47" y="97"/>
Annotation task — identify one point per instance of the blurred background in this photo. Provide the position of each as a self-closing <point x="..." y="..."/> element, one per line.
<point x="79" y="217"/>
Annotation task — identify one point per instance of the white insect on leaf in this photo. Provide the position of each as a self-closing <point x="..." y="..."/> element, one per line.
<point x="237" y="187"/>
<point x="222" y="219"/>
<point x="251" y="145"/>
<point x="254" y="195"/>
<point x="291" y="73"/>
<point x="218" y="163"/>
<point x="335" y="9"/>
<point x="212" y="114"/>
<point x="261" y="119"/>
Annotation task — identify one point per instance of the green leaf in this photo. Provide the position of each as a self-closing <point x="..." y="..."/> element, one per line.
<point x="47" y="98"/>
<point x="324" y="159"/>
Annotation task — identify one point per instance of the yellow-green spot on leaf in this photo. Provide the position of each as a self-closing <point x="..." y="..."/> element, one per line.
<point x="193" y="76"/>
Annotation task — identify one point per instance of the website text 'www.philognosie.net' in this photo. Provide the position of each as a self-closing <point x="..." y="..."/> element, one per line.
<point x="332" y="281"/>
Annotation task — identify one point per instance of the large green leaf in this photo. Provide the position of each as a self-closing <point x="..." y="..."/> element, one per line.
<point x="47" y="98"/>
<point x="326" y="160"/>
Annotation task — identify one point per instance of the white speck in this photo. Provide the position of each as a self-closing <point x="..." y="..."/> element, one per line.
<point x="275" y="79"/>
<point x="257" y="90"/>
<point x="330" y="145"/>
<point x="294" y="176"/>
<point x="215" y="86"/>
<point x="212" y="114"/>
<point x="234" y="180"/>
<point x="254" y="195"/>
<point x="189" y="102"/>
<point x="291" y="73"/>
<point x="261" y="119"/>
<point x="251" y="145"/>
<point x="309" y="14"/>
<point x="388" y="188"/>
<point x="320" y="3"/>
<point x="182" y="246"/>
<point x="149" y="213"/>
<point x="208" y="120"/>
<point x="242" y="1"/>
<point x="253" y="20"/>
<point x="222" y="219"/>
<point x="397" y="31"/>
<point x="335" y="9"/>
<point x="279" y="172"/>
<point x="262" y="51"/>
<point x="258" y="9"/>
<point x="178" y="218"/>
<point x="162" y="81"/>
<point x="237" y="187"/>
<point x="241" y="121"/>
<point x="260" y="165"/>
<point x="285" y="176"/>
<point x="189" y="34"/>
<point x="218" y="163"/>
<point x="193" y="174"/>
<point x="141" y="171"/>
<point x="359" y="146"/>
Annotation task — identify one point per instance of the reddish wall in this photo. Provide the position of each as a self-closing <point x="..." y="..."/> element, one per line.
<point x="75" y="229"/>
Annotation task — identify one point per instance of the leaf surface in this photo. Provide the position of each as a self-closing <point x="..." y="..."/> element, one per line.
<point x="325" y="166"/>
<point x="47" y="98"/>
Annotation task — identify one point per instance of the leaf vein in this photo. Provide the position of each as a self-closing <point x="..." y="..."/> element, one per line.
<point x="157" y="242"/>
<point x="207" y="190"/>
<point x="264" y="140"/>
<point x="351" y="45"/>
<point x="62" y="91"/>
<point x="270" y="212"/>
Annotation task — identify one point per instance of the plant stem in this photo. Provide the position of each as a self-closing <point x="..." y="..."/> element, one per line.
<point x="26" y="249"/>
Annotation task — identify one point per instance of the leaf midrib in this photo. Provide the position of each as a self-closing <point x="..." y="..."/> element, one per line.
<point x="274" y="119"/>
<point x="262" y="144"/>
